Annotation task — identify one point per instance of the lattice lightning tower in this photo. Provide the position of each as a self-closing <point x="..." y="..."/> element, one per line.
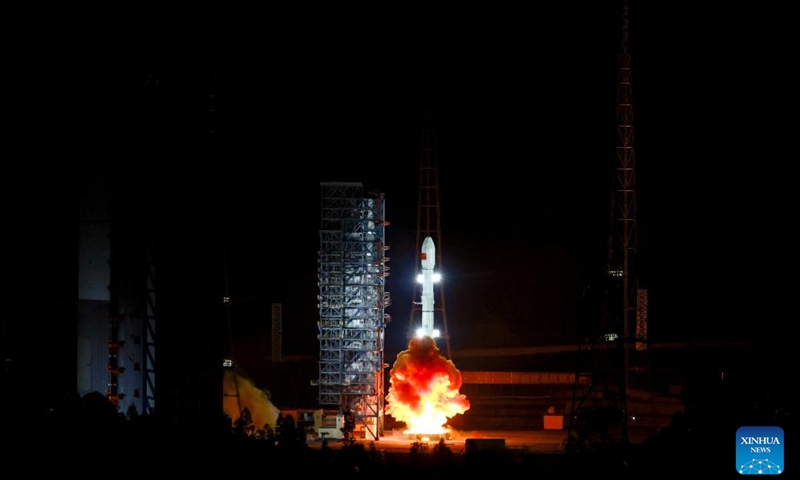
<point x="429" y="225"/>
<point x="601" y="386"/>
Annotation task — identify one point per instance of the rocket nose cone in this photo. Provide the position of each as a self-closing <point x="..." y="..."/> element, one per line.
<point x="428" y="253"/>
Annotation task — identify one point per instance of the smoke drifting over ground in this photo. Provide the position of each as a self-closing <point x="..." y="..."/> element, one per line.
<point x="263" y="411"/>
<point x="424" y="391"/>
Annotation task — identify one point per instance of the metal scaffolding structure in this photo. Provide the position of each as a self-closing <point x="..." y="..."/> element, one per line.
<point x="352" y="302"/>
<point x="151" y="323"/>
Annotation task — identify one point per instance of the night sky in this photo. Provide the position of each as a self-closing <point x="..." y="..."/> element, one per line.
<point x="523" y="105"/>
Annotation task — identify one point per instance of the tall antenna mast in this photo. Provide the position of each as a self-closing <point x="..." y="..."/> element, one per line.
<point x="229" y="362"/>
<point x="429" y="225"/>
<point x="621" y="309"/>
<point x="601" y="387"/>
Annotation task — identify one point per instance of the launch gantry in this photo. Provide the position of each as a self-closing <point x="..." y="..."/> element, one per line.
<point x="352" y="302"/>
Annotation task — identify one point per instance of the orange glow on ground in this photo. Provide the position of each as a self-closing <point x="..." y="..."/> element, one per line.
<point x="263" y="412"/>
<point x="424" y="391"/>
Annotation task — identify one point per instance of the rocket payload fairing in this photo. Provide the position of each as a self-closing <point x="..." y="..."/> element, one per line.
<point x="428" y="260"/>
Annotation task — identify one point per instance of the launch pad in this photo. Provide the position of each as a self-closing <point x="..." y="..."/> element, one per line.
<point x="535" y="441"/>
<point x="427" y="437"/>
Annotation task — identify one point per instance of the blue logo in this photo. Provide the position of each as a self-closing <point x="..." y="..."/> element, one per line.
<point x="759" y="450"/>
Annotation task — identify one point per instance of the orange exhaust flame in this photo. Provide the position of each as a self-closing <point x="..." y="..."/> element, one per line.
<point x="424" y="390"/>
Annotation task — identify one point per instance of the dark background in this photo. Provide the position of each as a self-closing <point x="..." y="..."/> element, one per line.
<point x="524" y="106"/>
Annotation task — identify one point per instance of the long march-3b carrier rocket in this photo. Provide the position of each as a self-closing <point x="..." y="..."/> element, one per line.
<point x="427" y="278"/>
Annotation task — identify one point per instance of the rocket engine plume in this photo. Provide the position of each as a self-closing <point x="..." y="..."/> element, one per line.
<point x="424" y="391"/>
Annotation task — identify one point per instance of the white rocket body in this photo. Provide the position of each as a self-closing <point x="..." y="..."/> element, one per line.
<point x="428" y="258"/>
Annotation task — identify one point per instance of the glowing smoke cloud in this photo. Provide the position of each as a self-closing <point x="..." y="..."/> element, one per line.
<point x="424" y="388"/>
<point x="262" y="410"/>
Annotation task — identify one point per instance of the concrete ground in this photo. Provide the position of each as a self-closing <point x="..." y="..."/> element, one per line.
<point x="532" y="441"/>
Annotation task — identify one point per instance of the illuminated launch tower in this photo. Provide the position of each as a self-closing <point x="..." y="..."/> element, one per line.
<point x="424" y="309"/>
<point x="602" y="384"/>
<point x="352" y="302"/>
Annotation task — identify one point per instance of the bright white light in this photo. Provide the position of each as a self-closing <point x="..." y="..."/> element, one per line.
<point x="436" y="277"/>
<point x="421" y="332"/>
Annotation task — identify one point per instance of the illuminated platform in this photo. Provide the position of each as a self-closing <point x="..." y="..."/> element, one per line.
<point x="427" y="437"/>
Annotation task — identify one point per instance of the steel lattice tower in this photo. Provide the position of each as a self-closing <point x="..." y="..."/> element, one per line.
<point x="352" y="302"/>
<point x="600" y="402"/>
<point x="429" y="225"/>
<point x="625" y="310"/>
